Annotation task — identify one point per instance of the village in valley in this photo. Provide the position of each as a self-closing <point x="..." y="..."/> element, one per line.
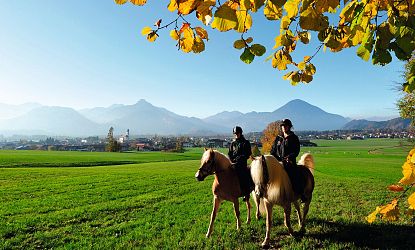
<point x="127" y="142"/>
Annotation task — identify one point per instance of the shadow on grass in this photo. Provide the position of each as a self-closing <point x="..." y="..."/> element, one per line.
<point x="362" y="235"/>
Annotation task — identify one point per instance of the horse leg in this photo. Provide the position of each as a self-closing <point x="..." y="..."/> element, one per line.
<point x="268" y="209"/>
<point x="248" y="207"/>
<point x="257" y="203"/>
<point x="305" y="211"/>
<point x="287" y="217"/>
<point x="298" y="209"/>
<point x="237" y="213"/>
<point x="216" y="204"/>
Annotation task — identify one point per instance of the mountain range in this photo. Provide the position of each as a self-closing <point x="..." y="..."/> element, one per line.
<point x="143" y="118"/>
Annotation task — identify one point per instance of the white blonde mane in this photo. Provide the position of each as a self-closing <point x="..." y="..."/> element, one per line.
<point x="308" y="161"/>
<point x="279" y="185"/>
<point x="221" y="159"/>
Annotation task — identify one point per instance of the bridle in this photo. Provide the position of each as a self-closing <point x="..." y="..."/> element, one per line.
<point x="210" y="167"/>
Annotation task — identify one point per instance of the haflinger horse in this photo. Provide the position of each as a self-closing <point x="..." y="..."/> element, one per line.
<point x="273" y="186"/>
<point x="225" y="185"/>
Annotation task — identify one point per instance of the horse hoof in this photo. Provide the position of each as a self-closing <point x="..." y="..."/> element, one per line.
<point x="265" y="245"/>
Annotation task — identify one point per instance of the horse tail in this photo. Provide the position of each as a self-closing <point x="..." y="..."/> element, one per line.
<point x="307" y="160"/>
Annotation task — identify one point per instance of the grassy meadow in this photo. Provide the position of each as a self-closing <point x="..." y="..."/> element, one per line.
<point x="151" y="200"/>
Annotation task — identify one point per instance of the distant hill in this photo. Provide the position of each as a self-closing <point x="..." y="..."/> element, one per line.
<point x="303" y="115"/>
<point x="394" y="124"/>
<point x="143" y="118"/>
<point x="53" y="121"/>
<point x="8" y="111"/>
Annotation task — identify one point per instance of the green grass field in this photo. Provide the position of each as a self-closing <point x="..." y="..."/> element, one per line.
<point x="74" y="200"/>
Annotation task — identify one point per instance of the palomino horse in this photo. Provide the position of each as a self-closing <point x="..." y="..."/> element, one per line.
<point x="274" y="187"/>
<point x="224" y="187"/>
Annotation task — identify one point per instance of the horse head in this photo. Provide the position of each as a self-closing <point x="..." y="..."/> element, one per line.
<point x="259" y="173"/>
<point x="207" y="165"/>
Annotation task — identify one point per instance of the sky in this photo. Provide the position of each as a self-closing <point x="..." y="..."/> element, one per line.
<point x="85" y="54"/>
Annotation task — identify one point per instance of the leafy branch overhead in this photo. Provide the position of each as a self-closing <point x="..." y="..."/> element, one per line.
<point x="380" y="29"/>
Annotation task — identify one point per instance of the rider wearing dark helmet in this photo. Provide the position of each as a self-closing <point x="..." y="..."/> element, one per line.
<point x="286" y="149"/>
<point x="239" y="153"/>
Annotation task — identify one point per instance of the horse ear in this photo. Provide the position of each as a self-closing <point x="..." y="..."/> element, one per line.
<point x="206" y="149"/>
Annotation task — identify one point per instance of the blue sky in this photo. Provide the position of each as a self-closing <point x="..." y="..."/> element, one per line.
<point x="84" y="54"/>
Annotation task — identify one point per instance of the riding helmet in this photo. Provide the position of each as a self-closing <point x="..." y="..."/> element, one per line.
<point x="237" y="130"/>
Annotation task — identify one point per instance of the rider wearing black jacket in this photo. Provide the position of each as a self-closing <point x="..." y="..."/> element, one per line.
<point x="239" y="153"/>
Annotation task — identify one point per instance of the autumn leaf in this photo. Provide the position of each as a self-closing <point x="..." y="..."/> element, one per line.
<point x="256" y="5"/>
<point x="204" y="11"/>
<point x="257" y="49"/>
<point x="152" y="36"/>
<point x="408" y="171"/>
<point x="146" y="30"/>
<point x="198" y="45"/>
<point x="372" y="216"/>
<point x="202" y="33"/>
<point x="395" y="188"/>
<point x="120" y="1"/>
<point x="244" y="21"/>
<point x="247" y="57"/>
<point x="172" y="5"/>
<point x="281" y="59"/>
<point x="291" y="7"/>
<point x="273" y="9"/>
<point x="411" y="201"/>
<point x="174" y="34"/>
<point x="304" y="37"/>
<point x="239" y="44"/>
<point x="390" y="211"/>
<point x="225" y="19"/>
<point x="187" y="38"/>
<point x="138" y="2"/>
<point x="186" y="7"/>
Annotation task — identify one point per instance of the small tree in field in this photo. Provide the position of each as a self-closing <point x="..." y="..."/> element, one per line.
<point x="112" y="144"/>
<point x="271" y="131"/>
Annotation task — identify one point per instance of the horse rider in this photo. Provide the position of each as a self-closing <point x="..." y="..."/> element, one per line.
<point x="286" y="149"/>
<point x="239" y="153"/>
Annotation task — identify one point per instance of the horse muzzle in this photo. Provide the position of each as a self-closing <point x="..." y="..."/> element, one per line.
<point x="199" y="176"/>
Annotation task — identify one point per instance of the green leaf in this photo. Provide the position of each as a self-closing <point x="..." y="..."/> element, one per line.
<point x="257" y="49"/>
<point x="247" y="57"/>
<point x="365" y="49"/>
<point x="225" y="18"/>
<point x="381" y="57"/>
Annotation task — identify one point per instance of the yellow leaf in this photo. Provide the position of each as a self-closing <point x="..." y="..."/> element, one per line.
<point x="273" y="9"/>
<point x="172" y="5"/>
<point x="411" y="201"/>
<point x="390" y="211"/>
<point x="372" y="217"/>
<point x="256" y="5"/>
<point x="152" y="36"/>
<point x="288" y="75"/>
<point x="411" y="156"/>
<point x="244" y="21"/>
<point x="174" y="34"/>
<point x="120" y="1"/>
<point x="310" y="69"/>
<point x="225" y="18"/>
<point x="146" y="30"/>
<point x="408" y="171"/>
<point x="138" y="2"/>
<point x="301" y="65"/>
<point x="291" y="6"/>
<point x="202" y="33"/>
<point x="295" y="78"/>
<point x="311" y="20"/>
<point x="198" y="45"/>
<point x="187" y="38"/>
<point x="285" y="22"/>
<point x="358" y="33"/>
<point x="245" y="4"/>
<point x="281" y="59"/>
<point x="307" y="58"/>
<point x="204" y="11"/>
<point x="186" y="7"/>
<point x="249" y="40"/>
